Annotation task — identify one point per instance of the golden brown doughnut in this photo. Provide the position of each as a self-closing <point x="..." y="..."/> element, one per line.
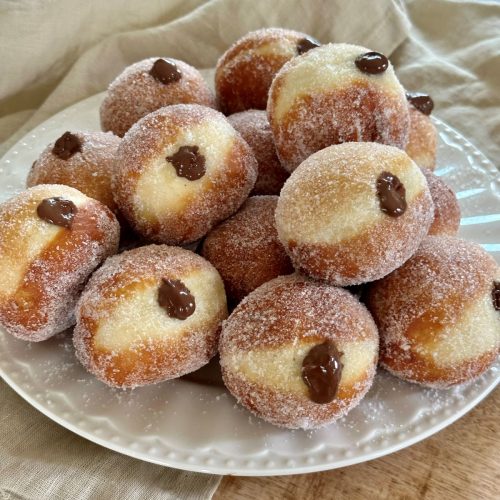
<point x="148" y="315"/>
<point x="353" y="212"/>
<point x="253" y="126"/>
<point x="333" y="94"/>
<point x="446" y="209"/>
<point x="83" y="160"/>
<point x="439" y="314"/>
<point x="148" y="85"/>
<point x="245" y="248"/>
<point x="422" y="142"/>
<point x="299" y="353"/>
<point x="245" y="71"/>
<point x="180" y="171"/>
<point x="43" y="264"/>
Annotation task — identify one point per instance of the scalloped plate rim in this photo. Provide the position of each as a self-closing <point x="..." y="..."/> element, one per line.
<point x="255" y="470"/>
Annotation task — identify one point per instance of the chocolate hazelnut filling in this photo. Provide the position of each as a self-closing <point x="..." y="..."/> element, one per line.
<point x="57" y="211"/>
<point x="176" y="299"/>
<point x="322" y="371"/>
<point x="422" y="102"/>
<point x="188" y="163"/>
<point x="165" y="71"/>
<point x="495" y="295"/>
<point x="391" y="194"/>
<point x="66" y="146"/>
<point x="372" y="63"/>
<point x="306" y="44"/>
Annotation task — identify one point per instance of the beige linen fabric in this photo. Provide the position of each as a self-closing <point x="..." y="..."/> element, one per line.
<point x="41" y="460"/>
<point x="54" y="53"/>
<point x="32" y="30"/>
<point x="453" y="52"/>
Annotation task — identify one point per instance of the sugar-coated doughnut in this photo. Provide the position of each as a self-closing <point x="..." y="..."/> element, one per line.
<point x="83" y="160"/>
<point x="422" y="141"/>
<point x="253" y="126"/>
<point x="299" y="353"/>
<point x="51" y="238"/>
<point x="245" y="71"/>
<point x="353" y="212"/>
<point x="181" y="170"/>
<point x="148" y="85"/>
<point x="446" y="209"/>
<point x="245" y="249"/>
<point x="148" y="315"/>
<point x="333" y="94"/>
<point x="439" y="314"/>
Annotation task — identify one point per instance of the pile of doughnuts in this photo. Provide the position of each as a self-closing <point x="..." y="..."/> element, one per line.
<point x="247" y="219"/>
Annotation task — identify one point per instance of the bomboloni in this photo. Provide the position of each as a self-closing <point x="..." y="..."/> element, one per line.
<point x="83" y="160"/>
<point x="245" y="71"/>
<point x="439" y="314"/>
<point x="299" y="353"/>
<point x="149" y="314"/>
<point x="51" y="239"/>
<point x="353" y="212"/>
<point x="149" y="85"/>
<point x="333" y="94"/>
<point x="422" y="141"/>
<point x="180" y="171"/>
<point x="245" y="248"/>
<point x="446" y="209"/>
<point x="253" y="126"/>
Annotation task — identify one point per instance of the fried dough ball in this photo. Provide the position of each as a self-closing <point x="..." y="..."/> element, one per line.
<point x="299" y="353"/>
<point x="51" y="239"/>
<point x="148" y="315"/>
<point x="245" y="71"/>
<point x="353" y="212"/>
<point x="439" y="314"/>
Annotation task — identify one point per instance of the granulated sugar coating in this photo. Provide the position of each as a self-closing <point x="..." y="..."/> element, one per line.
<point x="135" y="93"/>
<point x="267" y="337"/>
<point x="44" y="266"/>
<point x="422" y="142"/>
<point x="321" y="98"/>
<point x="246" y="250"/>
<point x="253" y="126"/>
<point x="88" y="170"/>
<point x="436" y="314"/>
<point x="329" y="216"/>
<point x="245" y="71"/>
<point x="446" y="209"/>
<point x="126" y="338"/>
<point x="156" y="199"/>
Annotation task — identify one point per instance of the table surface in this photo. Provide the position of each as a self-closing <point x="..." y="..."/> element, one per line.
<point x="460" y="462"/>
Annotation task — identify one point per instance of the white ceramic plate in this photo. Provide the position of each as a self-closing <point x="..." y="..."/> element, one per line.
<point x="190" y="426"/>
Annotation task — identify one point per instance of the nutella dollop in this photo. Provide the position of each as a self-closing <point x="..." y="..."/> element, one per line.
<point x="372" y="63"/>
<point x="495" y="295"/>
<point x="420" y="101"/>
<point x="322" y="371"/>
<point x="57" y="211"/>
<point x="176" y="299"/>
<point x="188" y="162"/>
<point x="306" y="44"/>
<point x="391" y="194"/>
<point x="165" y="71"/>
<point x="66" y="146"/>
